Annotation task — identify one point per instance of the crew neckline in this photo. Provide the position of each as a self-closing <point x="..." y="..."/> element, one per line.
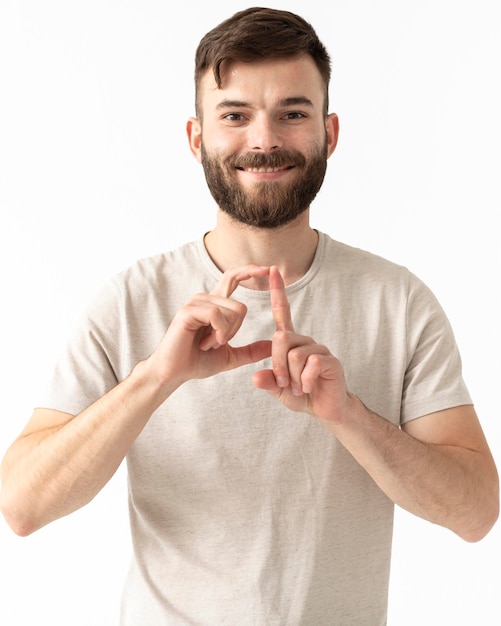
<point x="255" y="293"/>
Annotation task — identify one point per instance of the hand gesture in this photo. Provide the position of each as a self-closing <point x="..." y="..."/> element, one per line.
<point x="196" y="344"/>
<point x="305" y="376"/>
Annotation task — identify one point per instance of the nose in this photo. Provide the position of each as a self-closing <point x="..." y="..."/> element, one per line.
<point x="264" y="135"/>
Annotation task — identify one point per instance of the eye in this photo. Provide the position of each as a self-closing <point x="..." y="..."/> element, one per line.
<point x="294" y="115"/>
<point x="234" y="117"/>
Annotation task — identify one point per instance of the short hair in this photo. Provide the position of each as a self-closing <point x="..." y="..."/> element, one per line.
<point x="257" y="34"/>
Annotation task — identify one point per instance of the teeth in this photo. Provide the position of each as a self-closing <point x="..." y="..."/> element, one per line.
<point x="264" y="170"/>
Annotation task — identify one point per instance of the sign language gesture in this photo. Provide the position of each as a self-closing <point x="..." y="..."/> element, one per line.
<point x="196" y="344"/>
<point x="305" y="375"/>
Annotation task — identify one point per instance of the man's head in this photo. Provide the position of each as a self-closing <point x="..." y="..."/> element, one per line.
<point x="259" y="34"/>
<point x="262" y="131"/>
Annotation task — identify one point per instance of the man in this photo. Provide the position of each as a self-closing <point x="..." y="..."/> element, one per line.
<point x="249" y="507"/>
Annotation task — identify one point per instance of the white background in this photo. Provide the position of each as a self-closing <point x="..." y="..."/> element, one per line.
<point x="95" y="172"/>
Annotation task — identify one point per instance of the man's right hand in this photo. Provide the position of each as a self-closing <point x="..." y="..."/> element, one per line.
<point x="196" y="344"/>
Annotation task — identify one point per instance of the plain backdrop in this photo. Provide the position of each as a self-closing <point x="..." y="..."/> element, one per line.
<point x="95" y="172"/>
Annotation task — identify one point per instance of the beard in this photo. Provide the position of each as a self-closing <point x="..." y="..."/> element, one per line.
<point x="269" y="204"/>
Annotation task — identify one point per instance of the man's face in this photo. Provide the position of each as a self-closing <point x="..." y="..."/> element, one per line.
<point x="264" y="140"/>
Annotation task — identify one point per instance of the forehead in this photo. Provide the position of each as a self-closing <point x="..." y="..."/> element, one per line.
<point x="264" y="82"/>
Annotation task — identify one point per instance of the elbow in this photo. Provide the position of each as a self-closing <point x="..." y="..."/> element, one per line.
<point x="481" y="523"/>
<point x="21" y="526"/>
<point x="488" y="524"/>
<point x="477" y="533"/>
<point x="20" y="523"/>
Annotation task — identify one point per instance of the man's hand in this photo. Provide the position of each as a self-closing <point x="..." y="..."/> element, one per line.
<point x="196" y="344"/>
<point x="305" y="376"/>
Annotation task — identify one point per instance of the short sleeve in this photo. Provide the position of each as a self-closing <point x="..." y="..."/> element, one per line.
<point x="433" y="378"/>
<point x="90" y="365"/>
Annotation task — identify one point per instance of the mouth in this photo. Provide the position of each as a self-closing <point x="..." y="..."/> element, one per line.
<point x="265" y="169"/>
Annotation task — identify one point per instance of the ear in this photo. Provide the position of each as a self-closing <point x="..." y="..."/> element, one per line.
<point x="332" y="128"/>
<point x="194" y="131"/>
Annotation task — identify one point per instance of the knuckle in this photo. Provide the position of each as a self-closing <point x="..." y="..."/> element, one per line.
<point x="196" y="299"/>
<point x="281" y="337"/>
<point x="295" y="356"/>
<point x="314" y="360"/>
<point x="212" y="308"/>
<point x="241" y="308"/>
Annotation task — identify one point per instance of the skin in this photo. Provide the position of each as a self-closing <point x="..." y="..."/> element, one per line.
<point x="439" y="466"/>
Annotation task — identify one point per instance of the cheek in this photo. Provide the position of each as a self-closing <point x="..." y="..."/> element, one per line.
<point x="223" y="140"/>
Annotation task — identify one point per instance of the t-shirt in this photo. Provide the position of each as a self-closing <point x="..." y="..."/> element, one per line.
<point x="242" y="512"/>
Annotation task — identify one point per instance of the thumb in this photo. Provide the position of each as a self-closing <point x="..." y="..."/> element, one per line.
<point x="252" y="353"/>
<point x="265" y="379"/>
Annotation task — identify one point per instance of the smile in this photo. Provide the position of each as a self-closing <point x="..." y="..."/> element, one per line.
<point x="265" y="170"/>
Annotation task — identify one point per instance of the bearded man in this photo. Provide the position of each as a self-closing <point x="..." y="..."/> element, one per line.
<point x="274" y="391"/>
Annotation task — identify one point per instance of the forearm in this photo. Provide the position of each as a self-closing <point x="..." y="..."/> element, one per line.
<point x="49" y="473"/>
<point x="60" y="462"/>
<point x="448" y="485"/>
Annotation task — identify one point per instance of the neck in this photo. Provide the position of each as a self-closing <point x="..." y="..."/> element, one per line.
<point x="290" y="247"/>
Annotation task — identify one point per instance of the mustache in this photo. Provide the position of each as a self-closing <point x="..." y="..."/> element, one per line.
<point x="281" y="158"/>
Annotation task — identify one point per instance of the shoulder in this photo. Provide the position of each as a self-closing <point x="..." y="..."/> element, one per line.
<point x="364" y="277"/>
<point x="160" y="280"/>
<point x="361" y="266"/>
<point x="163" y="266"/>
<point x="179" y="271"/>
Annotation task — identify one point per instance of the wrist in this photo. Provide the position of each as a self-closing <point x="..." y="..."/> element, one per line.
<point x="348" y="413"/>
<point x="145" y="377"/>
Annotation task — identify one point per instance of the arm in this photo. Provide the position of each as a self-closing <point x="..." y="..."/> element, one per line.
<point x="60" y="461"/>
<point x="438" y="467"/>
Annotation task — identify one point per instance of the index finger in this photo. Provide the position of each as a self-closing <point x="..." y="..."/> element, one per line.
<point x="280" y="307"/>
<point x="232" y="278"/>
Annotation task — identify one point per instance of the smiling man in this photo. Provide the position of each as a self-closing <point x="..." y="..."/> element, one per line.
<point x="269" y="154"/>
<point x="275" y="392"/>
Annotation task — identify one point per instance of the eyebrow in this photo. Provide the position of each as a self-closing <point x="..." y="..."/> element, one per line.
<point x="284" y="102"/>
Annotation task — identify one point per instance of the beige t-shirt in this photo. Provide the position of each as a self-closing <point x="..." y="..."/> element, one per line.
<point x="244" y="513"/>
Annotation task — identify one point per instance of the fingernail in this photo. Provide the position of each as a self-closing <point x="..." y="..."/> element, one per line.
<point x="208" y="347"/>
<point x="282" y="381"/>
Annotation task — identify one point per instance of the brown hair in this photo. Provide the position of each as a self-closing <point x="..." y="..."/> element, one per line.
<point x="257" y="34"/>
